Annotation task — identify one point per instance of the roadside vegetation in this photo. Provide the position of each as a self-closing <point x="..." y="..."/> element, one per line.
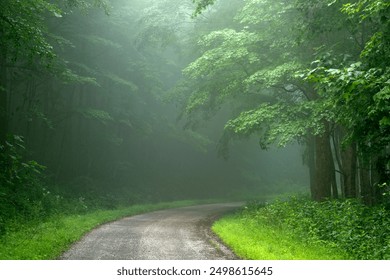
<point x="47" y="239"/>
<point x="299" y="228"/>
<point x="38" y="221"/>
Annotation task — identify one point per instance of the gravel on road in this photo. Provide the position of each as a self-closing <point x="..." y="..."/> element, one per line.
<point x="172" y="234"/>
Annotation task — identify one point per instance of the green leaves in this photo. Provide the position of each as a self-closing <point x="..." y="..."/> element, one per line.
<point x="197" y="100"/>
<point x="365" y="8"/>
<point x="224" y="49"/>
<point x="363" y="103"/>
<point x="86" y="5"/>
<point x="24" y="32"/>
<point x="264" y="11"/>
<point x="95" y="114"/>
<point x="68" y="76"/>
<point x="269" y="77"/>
<point x="20" y="182"/>
<point x="262" y="59"/>
<point x="280" y="123"/>
<point x="122" y="82"/>
<point x="201" y="5"/>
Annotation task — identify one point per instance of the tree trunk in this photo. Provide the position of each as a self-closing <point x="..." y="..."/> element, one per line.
<point x="311" y="144"/>
<point x="366" y="190"/>
<point x="324" y="172"/>
<point x="335" y="193"/>
<point x="348" y="157"/>
<point x="3" y="99"/>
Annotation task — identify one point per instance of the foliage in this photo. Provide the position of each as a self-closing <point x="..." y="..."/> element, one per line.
<point x="296" y="71"/>
<point x="363" y="99"/>
<point x="24" y="30"/>
<point x="86" y="5"/>
<point x="99" y="115"/>
<point x="253" y="66"/>
<point x="360" y="89"/>
<point x="201" y="5"/>
<point x="250" y="239"/>
<point x="26" y="199"/>
<point x="24" y="196"/>
<point x="162" y="23"/>
<point x="279" y="123"/>
<point x="359" y="230"/>
<point x="21" y="191"/>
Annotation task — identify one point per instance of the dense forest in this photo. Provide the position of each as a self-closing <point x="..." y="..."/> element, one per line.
<point x="105" y="102"/>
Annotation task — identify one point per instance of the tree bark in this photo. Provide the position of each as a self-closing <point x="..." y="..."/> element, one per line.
<point x="324" y="172"/>
<point x="335" y="193"/>
<point x="366" y="190"/>
<point x="349" y="159"/>
<point x="311" y="144"/>
<point x="3" y="98"/>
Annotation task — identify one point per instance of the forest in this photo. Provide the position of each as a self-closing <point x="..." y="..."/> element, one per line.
<point x="108" y="103"/>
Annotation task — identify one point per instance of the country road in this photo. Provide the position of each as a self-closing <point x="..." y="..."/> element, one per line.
<point x="179" y="234"/>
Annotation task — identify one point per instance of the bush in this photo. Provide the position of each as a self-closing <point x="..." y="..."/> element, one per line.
<point x="21" y="191"/>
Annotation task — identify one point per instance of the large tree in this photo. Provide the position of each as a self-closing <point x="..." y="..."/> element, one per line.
<point x="266" y="69"/>
<point x="360" y="91"/>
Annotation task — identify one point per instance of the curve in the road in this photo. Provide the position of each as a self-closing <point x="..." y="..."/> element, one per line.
<point x="179" y="234"/>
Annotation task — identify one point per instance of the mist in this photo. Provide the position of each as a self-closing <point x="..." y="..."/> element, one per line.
<point x="194" y="129"/>
<point x="111" y="119"/>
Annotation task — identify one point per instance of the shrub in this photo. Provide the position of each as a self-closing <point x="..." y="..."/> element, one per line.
<point x="21" y="190"/>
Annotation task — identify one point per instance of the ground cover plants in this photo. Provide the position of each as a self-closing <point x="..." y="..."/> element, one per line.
<point x="298" y="228"/>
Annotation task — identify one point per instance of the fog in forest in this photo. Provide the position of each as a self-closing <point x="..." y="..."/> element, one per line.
<point x="116" y="116"/>
<point x="112" y="108"/>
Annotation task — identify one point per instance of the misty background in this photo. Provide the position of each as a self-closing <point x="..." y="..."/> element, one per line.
<point x="108" y="118"/>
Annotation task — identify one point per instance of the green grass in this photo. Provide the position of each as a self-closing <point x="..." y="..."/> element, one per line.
<point x="298" y="228"/>
<point x="255" y="241"/>
<point x="48" y="240"/>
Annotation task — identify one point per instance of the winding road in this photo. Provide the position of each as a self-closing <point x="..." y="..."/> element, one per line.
<point x="178" y="234"/>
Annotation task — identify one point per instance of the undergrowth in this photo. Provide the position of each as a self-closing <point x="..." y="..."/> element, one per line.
<point x="41" y="222"/>
<point x="48" y="239"/>
<point x="297" y="228"/>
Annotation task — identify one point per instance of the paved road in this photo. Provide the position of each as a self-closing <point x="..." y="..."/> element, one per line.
<point x="180" y="234"/>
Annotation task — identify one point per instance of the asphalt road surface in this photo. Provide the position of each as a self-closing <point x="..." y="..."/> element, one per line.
<point x="173" y="234"/>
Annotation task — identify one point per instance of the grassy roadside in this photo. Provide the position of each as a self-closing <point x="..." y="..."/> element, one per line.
<point x="48" y="240"/>
<point x="255" y="241"/>
<point x="298" y="228"/>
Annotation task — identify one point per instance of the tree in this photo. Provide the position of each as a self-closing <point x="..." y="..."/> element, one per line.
<point x="360" y="91"/>
<point x="267" y="59"/>
<point x="26" y="43"/>
<point x="22" y="31"/>
<point x="93" y="116"/>
<point x="251" y="67"/>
